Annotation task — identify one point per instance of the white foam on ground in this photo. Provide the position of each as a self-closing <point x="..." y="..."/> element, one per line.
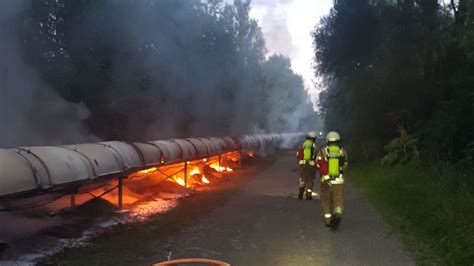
<point x="138" y="212"/>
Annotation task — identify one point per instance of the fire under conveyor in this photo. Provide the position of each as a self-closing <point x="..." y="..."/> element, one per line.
<point x="27" y="173"/>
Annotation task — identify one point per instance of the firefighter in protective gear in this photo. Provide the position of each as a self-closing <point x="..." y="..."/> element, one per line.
<point x="306" y="160"/>
<point x="331" y="161"/>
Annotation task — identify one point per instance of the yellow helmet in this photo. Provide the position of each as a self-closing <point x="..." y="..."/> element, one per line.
<point x="333" y="136"/>
<point x="311" y="134"/>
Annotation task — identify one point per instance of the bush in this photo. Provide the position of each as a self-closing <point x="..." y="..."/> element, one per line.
<point x="401" y="150"/>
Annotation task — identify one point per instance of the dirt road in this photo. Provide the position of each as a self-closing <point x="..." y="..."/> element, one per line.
<point x="261" y="224"/>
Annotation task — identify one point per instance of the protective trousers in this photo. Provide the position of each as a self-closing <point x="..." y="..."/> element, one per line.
<point x="308" y="173"/>
<point x="332" y="200"/>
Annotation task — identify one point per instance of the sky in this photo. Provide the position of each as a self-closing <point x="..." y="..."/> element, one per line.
<point x="287" y="27"/>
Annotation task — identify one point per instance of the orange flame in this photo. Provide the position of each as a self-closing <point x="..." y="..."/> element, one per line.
<point x="195" y="171"/>
<point x="147" y="171"/>
<point x="218" y="168"/>
<point x="179" y="180"/>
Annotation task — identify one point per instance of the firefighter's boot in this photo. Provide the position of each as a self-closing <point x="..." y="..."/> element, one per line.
<point x="300" y="195"/>
<point x="327" y="219"/>
<point x="309" y="194"/>
<point x="335" y="221"/>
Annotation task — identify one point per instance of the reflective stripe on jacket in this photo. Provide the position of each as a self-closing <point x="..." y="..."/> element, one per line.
<point x="301" y="162"/>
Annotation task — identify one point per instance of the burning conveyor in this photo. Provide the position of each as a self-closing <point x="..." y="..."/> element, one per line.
<point x="31" y="171"/>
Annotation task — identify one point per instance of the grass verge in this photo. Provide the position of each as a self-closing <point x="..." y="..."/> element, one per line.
<point x="434" y="220"/>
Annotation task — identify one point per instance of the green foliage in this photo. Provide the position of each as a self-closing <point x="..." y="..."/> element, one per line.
<point x="433" y="219"/>
<point x="391" y="63"/>
<point x="401" y="150"/>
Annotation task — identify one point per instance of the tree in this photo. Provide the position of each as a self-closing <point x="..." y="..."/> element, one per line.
<point x="391" y="65"/>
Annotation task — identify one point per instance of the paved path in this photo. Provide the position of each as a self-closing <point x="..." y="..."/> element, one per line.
<point x="264" y="224"/>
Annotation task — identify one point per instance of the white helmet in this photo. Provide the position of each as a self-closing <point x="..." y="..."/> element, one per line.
<point x="311" y="134"/>
<point x="333" y="136"/>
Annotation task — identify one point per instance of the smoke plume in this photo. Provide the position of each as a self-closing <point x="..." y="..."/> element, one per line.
<point x="275" y="26"/>
<point x="30" y="112"/>
<point x="140" y="70"/>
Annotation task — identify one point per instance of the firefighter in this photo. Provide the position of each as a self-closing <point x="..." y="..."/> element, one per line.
<point x="306" y="159"/>
<point x="331" y="161"/>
